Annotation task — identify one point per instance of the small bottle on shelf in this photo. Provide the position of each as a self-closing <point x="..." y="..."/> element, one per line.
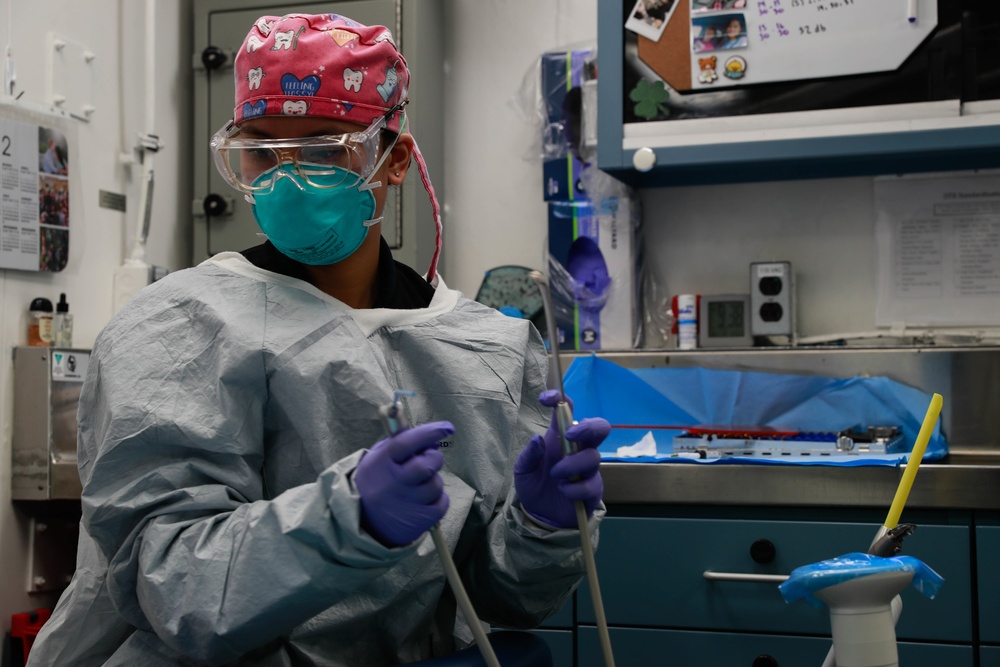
<point x="40" y="322"/>
<point x="62" y="324"/>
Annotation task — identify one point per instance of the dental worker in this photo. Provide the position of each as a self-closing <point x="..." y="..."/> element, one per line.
<point x="241" y="501"/>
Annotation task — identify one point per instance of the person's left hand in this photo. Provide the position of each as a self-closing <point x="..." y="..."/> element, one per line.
<point x="548" y="483"/>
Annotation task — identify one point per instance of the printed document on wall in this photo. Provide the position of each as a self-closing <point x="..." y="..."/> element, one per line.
<point x="938" y="250"/>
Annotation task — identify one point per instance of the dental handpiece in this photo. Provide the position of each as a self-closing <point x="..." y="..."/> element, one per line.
<point x="394" y="421"/>
<point x="564" y="419"/>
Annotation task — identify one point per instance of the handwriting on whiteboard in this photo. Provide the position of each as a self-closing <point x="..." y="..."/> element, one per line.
<point x="764" y="32"/>
<point x="783" y="25"/>
<point x="819" y="5"/>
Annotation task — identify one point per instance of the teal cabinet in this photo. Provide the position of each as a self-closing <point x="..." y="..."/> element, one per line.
<point x="563" y="618"/>
<point x="988" y="563"/>
<point x="560" y="644"/>
<point x="557" y="631"/>
<point x="989" y="656"/>
<point x="652" y="574"/>
<point x="642" y="647"/>
<point x="635" y="647"/>
<point x="896" y="147"/>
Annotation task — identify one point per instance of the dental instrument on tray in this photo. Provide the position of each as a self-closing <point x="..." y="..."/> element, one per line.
<point x="564" y="419"/>
<point x="395" y="421"/>
<point x="719" y="441"/>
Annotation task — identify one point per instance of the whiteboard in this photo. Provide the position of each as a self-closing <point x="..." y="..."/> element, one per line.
<point x="34" y="197"/>
<point x="744" y="42"/>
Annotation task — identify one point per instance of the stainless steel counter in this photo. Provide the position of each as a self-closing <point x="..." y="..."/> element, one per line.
<point x="967" y="377"/>
<point x="964" y="481"/>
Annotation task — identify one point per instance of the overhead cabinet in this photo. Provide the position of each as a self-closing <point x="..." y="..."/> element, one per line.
<point x="775" y="89"/>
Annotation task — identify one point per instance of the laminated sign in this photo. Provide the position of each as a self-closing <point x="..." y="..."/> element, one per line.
<point x="705" y="44"/>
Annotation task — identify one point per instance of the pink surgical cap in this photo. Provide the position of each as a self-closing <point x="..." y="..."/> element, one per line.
<point x="327" y="66"/>
<point x="322" y="65"/>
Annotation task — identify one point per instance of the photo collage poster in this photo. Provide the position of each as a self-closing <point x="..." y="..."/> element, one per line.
<point x="34" y="197"/>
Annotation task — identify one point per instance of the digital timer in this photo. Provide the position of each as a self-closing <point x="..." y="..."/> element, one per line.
<point x="724" y="321"/>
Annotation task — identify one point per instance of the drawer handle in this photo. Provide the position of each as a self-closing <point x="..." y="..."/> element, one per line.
<point x="743" y="576"/>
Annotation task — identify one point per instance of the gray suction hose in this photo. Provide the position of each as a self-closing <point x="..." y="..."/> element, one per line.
<point x="395" y="421"/>
<point x="564" y="419"/>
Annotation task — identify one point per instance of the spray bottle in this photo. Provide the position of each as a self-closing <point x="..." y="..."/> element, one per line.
<point x="62" y="324"/>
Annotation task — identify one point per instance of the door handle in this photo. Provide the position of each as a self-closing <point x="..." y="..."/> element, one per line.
<point x="745" y="577"/>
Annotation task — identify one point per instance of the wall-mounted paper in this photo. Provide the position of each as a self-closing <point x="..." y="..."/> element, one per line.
<point x="938" y="250"/>
<point x="34" y="197"/>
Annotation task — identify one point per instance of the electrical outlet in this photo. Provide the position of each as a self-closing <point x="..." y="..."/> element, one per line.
<point x="771" y="299"/>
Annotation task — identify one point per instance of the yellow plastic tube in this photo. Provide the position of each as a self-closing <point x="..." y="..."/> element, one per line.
<point x="903" y="490"/>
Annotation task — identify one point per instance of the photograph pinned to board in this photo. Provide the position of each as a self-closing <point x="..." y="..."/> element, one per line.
<point x="716" y="5"/>
<point x="649" y="17"/>
<point x="717" y="32"/>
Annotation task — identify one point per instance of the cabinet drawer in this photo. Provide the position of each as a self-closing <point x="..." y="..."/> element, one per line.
<point x="641" y="648"/>
<point x="562" y="618"/>
<point x="651" y="574"/>
<point x="560" y="644"/>
<point x="989" y="656"/>
<point x="987" y="557"/>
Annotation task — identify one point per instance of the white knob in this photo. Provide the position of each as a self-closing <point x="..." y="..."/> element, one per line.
<point x="644" y="159"/>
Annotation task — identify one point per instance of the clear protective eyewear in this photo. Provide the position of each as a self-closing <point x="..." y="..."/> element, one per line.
<point x="323" y="161"/>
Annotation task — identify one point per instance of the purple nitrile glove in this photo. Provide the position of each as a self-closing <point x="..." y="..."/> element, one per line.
<point x="549" y="483"/>
<point x="402" y="494"/>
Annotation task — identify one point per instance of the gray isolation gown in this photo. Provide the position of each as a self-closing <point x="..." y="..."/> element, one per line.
<point x="224" y="411"/>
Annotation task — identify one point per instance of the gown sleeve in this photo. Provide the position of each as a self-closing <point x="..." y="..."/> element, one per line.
<point x="171" y="454"/>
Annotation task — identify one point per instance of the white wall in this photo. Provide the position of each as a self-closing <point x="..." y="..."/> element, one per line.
<point x="701" y="240"/>
<point x="97" y="235"/>
<point x="494" y="213"/>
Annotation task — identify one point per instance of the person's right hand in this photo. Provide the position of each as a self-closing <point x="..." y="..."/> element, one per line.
<point x="402" y="494"/>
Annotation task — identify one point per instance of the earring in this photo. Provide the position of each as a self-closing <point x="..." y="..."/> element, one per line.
<point x="397" y="173"/>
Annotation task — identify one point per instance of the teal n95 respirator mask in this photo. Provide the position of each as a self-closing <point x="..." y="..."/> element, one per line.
<point x="312" y="197"/>
<point x="310" y="224"/>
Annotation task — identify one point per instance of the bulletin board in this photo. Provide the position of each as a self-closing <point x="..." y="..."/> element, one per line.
<point x="34" y="196"/>
<point x="706" y="44"/>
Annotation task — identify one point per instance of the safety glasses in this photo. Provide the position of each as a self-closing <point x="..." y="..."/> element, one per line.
<point x="250" y="164"/>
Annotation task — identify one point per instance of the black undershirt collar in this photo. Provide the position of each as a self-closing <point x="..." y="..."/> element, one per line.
<point x="399" y="286"/>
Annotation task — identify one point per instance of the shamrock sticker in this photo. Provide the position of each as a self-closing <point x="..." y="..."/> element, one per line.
<point x="649" y="98"/>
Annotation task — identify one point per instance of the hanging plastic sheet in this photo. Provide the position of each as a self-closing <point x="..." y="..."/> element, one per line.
<point x="672" y="399"/>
